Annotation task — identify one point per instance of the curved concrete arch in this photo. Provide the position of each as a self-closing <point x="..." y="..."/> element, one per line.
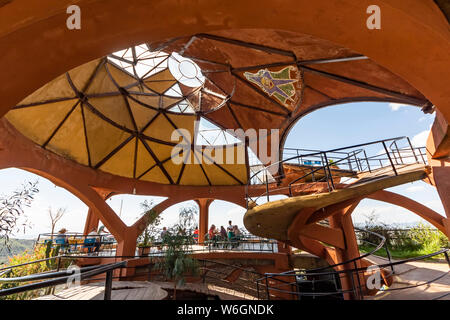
<point x="106" y="27"/>
<point x="422" y="211"/>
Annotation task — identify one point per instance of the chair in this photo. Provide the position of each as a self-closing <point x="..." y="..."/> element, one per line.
<point x="89" y="244"/>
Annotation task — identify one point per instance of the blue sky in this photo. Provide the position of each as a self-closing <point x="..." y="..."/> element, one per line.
<point x="328" y="128"/>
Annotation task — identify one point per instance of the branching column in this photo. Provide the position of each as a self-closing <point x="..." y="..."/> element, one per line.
<point x="203" y="205"/>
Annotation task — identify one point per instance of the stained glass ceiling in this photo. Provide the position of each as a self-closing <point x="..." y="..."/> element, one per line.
<point x="117" y="114"/>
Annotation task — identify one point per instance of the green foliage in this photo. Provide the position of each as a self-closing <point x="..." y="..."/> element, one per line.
<point x="402" y="243"/>
<point x="153" y="221"/>
<point x="16" y="246"/>
<point x="430" y="239"/>
<point x="12" y="208"/>
<point x="38" y="253"/>
<point x="177" y="262"/>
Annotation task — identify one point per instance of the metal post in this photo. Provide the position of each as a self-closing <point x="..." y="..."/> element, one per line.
<point x="398" y="151"/>
<point x="421" y="155"/>
<point x="267" y="187"/>
<point x="257" y="289"/>
<point x="350" y="167"/>
<point x="359" y="281"/>
<point x="267" y="289"/>
<point x="388" y="253"/>
<point x="389" y="156"/>
<point x="412" y="149"/>
<point x="329" y="171"/>
<point x="108" y="285"/>
<point x="447" y="258"/>
<point x="356" y="161"/>
<point x="367" y="161"/>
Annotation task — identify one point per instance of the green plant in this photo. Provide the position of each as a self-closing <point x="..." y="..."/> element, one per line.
<point x="177" y="262"/>
<point x="153" y="220"/>
<point x="430" y="239"/>
<point x="38" y="253"/>
<point x="12" y="208"/>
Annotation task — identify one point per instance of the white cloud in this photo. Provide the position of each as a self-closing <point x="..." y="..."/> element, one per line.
<point x="397" y="106"/>
<point x="415" y="188"/>
<point x="420" y="139"/>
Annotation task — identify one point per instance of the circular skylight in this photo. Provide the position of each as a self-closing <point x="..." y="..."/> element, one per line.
<point x="186" y="71"/>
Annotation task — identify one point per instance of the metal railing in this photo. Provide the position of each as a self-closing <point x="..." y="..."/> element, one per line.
<point x="329" y="166"/>
<point x="290" y="283"/>
<point x="58" y="277"/>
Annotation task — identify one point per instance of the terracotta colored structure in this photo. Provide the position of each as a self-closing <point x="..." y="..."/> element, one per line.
<point x="327" y="53"/>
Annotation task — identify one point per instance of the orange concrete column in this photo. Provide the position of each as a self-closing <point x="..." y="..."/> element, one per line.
<point x="284" y="247"/>
<point x="348" y="281"/>
<point x="203" y="205"/>
<point x="92" y="222"/>
<point x="438" y="154"/>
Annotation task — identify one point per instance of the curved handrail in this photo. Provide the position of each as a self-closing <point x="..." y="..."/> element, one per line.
<point x="320" y="272"/>
<point x="85" y="274"/>
<point x="351" y="157"/>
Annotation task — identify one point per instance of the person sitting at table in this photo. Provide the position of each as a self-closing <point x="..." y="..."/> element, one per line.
<point x="212" y="233"/>
<point x="237" y="236"/>
<point x="196" y="234"/>
<point x="62" y="235"/>
<point x="223" y="233"/>
<point x="95" y="235"/>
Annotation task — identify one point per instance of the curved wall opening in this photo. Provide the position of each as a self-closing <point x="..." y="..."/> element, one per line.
<point x="49" y="196"/>
<point x="354" y="123"/>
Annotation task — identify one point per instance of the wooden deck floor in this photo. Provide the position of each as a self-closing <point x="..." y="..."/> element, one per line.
<point x="122" y="290"/>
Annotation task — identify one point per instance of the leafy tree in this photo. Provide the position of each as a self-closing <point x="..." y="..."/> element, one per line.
<point x="177" y="262"/>
<point x="153" y="221"/>
<point x="12" y="208"/>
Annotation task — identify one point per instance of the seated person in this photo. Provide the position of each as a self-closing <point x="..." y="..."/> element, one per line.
<point x="95" y="235"/>
<point x="62" y="235"/>
<point x="196" y="235"/>
<point x="213" y="233"/>
<point x="223" y="233"/>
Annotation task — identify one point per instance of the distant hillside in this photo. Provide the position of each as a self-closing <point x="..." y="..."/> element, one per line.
<point x="17" y="246"/>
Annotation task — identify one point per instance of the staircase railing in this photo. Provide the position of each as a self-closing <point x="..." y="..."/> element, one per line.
<point x="58" y="277"/>
<point x="281" y="283"/>
<point x="326" y="167"/>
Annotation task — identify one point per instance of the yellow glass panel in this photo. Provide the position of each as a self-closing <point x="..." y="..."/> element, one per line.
<point x="123" y="79"/>
<point x="69" y="141"/>
<point x="113" y="108"/>
<point x="185" y="122"/>
<point x="102" y="83"/>
<point x="160" y="81"/>
<point x="164" y="75"/>
<point x="227" y="158"/>
<point x="173" y="169"/>
<point x="102" y="136"/>
<point x="38" y="122"/>
<point x="237" y="170"/>
<point x="122" y="162"/>
<point x="169" y="102"/>
<point x="140" y="88"/>
<point x="152" y="101"/>
<point x="193" y="176"/>
<point x="144" y="160"/>
<point x="161" y="151"/>
<point x="55" y="89"/>
<point x="81" y="75"/>
<point x="155" y="175"/>
<point x="217" y="176"/>
<point x="160" y="129"/>
<point x="142" y="115"/>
